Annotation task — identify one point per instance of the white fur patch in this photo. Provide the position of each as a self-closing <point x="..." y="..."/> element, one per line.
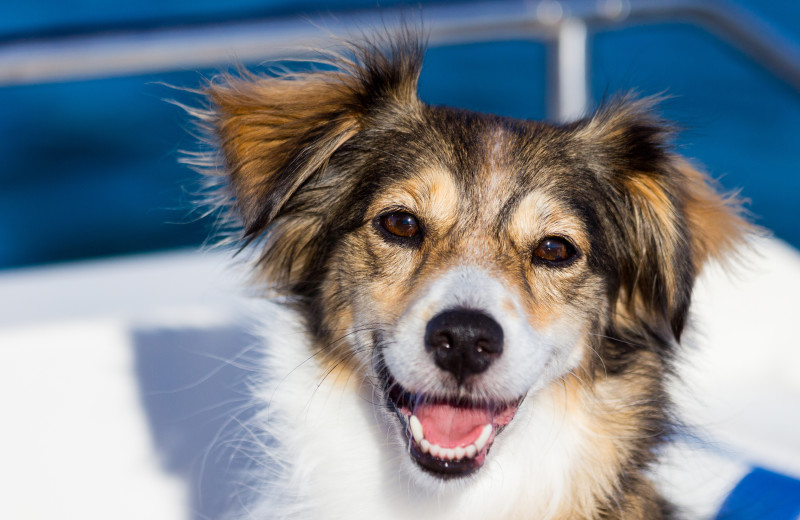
<point x="526" y="351"/>
<point x="331" y="448"/>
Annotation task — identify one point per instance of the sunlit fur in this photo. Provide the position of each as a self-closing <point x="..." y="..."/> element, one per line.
<point x="310" y="162"/>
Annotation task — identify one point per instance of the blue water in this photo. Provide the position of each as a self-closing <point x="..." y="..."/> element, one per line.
<point x="89" y="168"/>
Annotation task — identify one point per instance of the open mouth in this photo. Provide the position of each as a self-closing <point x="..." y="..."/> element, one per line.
<point x="447" y="437"/>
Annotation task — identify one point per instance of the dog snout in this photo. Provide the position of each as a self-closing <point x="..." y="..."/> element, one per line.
<point x="463" y="341"/>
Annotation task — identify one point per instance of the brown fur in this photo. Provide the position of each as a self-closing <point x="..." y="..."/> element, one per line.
<point x="313" y="159"/>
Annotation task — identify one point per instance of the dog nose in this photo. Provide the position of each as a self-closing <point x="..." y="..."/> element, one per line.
<point x="463" y="341"/>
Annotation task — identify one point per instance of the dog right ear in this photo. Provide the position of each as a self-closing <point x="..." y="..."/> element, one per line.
<point x="277" y="133"/>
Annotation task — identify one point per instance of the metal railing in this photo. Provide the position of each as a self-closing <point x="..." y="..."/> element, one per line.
<point x="566" y="26"/>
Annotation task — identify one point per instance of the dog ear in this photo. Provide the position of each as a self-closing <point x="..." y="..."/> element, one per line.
<point x="668" y="218"/>
<point x="715" y="219"/>
<point x="277" y="133"/>
<point x="274" y="135"/>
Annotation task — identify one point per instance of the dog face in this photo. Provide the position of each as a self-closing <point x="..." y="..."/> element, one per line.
<point x="464" y="263"/>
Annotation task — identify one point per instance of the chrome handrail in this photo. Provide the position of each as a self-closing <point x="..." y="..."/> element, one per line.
<point x="566" y="25"/>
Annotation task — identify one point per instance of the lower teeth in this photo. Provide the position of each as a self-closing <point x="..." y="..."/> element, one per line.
<point x="457" y="453"/>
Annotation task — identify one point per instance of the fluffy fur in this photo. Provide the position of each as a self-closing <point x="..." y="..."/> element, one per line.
<point x="314" y="164"/>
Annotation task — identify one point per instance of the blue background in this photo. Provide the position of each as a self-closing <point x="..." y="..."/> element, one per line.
<point x="90" y="168"/>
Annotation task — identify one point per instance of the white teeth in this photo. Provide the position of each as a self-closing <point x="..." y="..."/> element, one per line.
<point x="457" y="453"/>
<point x="425" y="445"/>
<point x="416" y="428"/>
<point x="435" y="450"/>
<point x="484" y="437"/>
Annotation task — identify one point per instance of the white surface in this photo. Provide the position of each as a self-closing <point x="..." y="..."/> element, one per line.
<point x="78" y="442"/>
<point x="74" y="441"/>
<point x="738" y="392"/>
<point x="741" y="379"/>
<point x="149" y="288"/>
<point x="698" y="479"/>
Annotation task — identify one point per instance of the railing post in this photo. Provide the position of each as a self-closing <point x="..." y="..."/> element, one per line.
<point x="568" y="75"/>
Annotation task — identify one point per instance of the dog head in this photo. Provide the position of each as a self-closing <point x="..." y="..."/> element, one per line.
<point x="468" y="262"/>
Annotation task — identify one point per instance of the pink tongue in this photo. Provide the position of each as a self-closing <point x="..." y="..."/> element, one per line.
<point x="450" y="426"/>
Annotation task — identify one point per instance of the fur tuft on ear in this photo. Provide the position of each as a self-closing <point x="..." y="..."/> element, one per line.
<point x="277" y="133"/>
<point x="668" y="218"/>
<point x="716" y="220"/>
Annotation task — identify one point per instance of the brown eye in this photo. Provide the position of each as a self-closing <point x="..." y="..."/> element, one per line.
<point x="400" y="224"/>
<point x="555" y="250"/>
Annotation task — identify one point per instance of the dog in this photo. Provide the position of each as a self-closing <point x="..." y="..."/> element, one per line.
<point x="471" y="316"/>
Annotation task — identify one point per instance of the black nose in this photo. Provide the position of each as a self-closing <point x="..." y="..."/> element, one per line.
<point x="463" y="342"/>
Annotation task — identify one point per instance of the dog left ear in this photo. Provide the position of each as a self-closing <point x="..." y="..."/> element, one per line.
<point x="277" y="133"/>
<point x="668" y="216"/>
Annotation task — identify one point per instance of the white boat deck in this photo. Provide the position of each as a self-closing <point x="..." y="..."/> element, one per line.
<point x="117" y="385"/>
